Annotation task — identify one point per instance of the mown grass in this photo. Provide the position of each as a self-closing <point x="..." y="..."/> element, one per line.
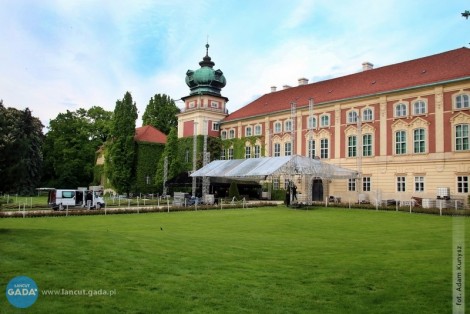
<point x="270" y="260"/>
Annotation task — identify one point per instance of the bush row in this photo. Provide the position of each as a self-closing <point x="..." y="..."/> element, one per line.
<point x="115" y="211"/>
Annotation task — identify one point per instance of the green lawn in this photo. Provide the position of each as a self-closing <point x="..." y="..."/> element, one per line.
<point x="269" y="260"/>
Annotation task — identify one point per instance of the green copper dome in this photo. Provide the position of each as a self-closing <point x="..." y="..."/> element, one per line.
<point x="205" y="80"/>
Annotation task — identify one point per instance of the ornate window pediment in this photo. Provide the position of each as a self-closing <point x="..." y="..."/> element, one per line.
<point x="460" y="118"/>
<point x="419" y="123"/>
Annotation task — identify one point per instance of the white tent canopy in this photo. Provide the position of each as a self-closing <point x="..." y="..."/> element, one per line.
<point x="260" y="168"/>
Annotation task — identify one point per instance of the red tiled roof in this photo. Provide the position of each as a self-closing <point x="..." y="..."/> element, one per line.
<point x="441" y="67"/>
<point x="149" y="134"/>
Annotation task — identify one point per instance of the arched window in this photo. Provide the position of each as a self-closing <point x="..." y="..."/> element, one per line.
<point x="248" y="131"/>
<point x="312" y="123"/>
<point x="325" y="120"/>
<point x="223" y="134"/>
<point x="258" y="129"/>
<point x="400" y="110"/>
<point x="277" y="127"/>
<point x="367" y="115"/>
<point x="462" y="101"/>
<point x="419" y="107"/>
<point x="352" y="116"/>
<point x="231" y="133"/>
<point x="288" y="126"/>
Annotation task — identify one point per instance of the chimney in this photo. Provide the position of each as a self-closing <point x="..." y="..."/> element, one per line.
<point x="367" y="66"/>
<point x="303" y="81"/>
<point x="286" y="86"/>
<point x="273" y="89"/>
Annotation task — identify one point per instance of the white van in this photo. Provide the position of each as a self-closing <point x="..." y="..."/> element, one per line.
<point x="59" y="199"/>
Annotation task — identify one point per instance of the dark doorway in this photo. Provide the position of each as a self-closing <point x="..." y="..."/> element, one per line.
<point x="317" y="190"/>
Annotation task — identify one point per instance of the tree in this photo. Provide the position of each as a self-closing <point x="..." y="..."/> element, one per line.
<point x="99" y="121"/>
<point x="21" y="159"/>
<point x="161" y="113"/>
<point x="171" y="152"/>
<point x="233" y="190"/>
<point x="71" y="145"/>
<point x="120" y="155"/>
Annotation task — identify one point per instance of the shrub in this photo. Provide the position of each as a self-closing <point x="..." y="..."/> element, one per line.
<point x="233" y="190"/>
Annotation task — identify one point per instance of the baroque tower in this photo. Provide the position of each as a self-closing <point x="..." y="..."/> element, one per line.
<point x="204" y="107"/>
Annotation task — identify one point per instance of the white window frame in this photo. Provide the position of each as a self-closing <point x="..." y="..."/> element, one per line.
<point x="351" y="185"/>
<point x="258" y="129"/>
<point x="277" y="150"/>
<point x="325" y="120"/>
<point x="365" y="116"/>
<point x="311" y="122"/>
<point x="462" y="101"/>
<point x="419" y="184"/>
<point x="352" y="146"/>
<point x="324" y="149"/>
<point x="288" y="125"/>
<point x="367" y="148"/>
<point x="247" y="152"/>
<point x="223" y="134"/>
<point x="366" y="184"/>
<point x="462" y="140"/>
<point x="311" y="148"/>
<point x="231" y="133"/>
<point x="277" y="127"/>
<point x="422" y="109"/>
<point x="400" y="110"/>
<point x="401" y="183"/>
<point x="352" y="116"/>
<point x="257" y="151"/>
<point x="248" y="131"/>
<point x="419" y="145"/>
<point x="463" y="184"/>
<point x="400" y="143"/>
<point x="288" y="149"/>
<point x="276" y="183"/>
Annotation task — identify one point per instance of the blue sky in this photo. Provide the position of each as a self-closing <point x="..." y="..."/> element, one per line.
<point x="69" y="54"/>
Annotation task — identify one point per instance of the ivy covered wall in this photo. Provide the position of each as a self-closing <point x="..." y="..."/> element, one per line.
<point x="147" y="158"/>
<point x="238" y="145"/>
<point x="185" y="146"/>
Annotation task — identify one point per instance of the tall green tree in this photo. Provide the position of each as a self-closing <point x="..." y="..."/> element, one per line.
<point x="99" y="121"/>
<point x="21" y="159"/>
<point x="120" y="153"/>
<point x="71" y="144"/>
<point x="175" y="164"/>
<point x="161" y="113"/>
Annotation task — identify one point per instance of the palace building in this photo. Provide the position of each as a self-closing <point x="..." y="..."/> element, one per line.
<point x="403" y="127"/>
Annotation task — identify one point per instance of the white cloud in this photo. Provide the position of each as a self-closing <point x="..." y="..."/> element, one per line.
<point x="63" y="55"/>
